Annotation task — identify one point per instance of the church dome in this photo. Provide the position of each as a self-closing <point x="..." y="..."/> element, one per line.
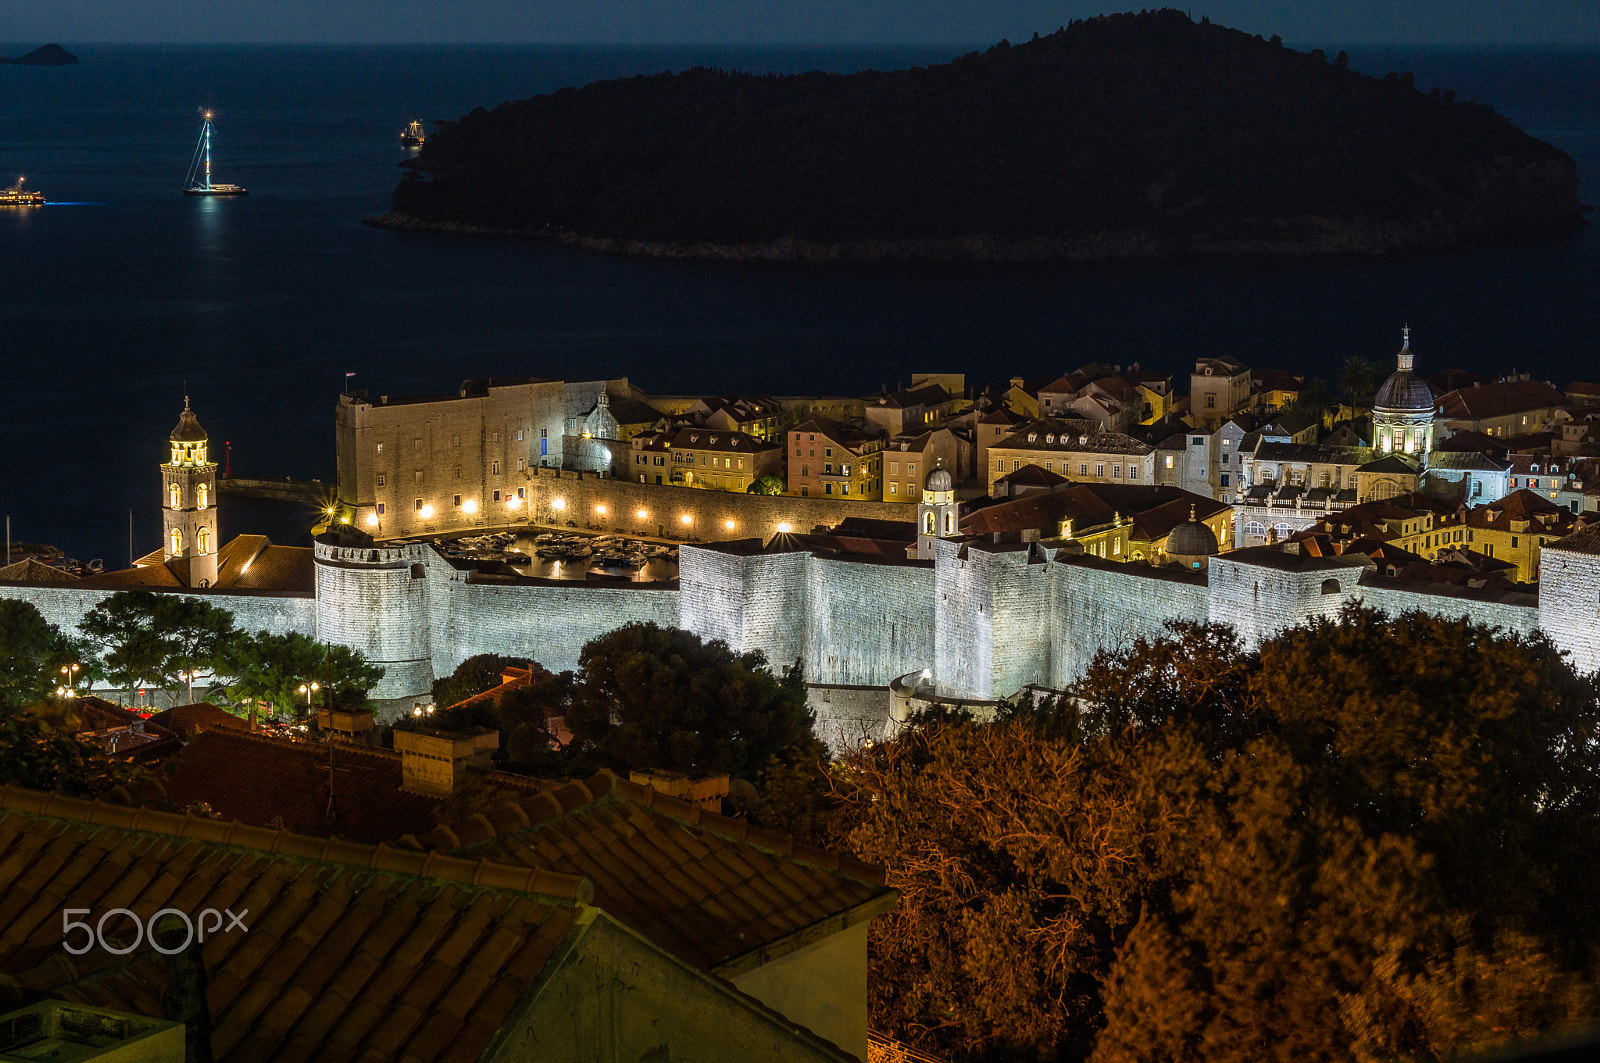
<point x="1404" y="390"/>
<point x="939" y="480"/>
<point x="188" y="430"/>
<point x="1192" y="539"/>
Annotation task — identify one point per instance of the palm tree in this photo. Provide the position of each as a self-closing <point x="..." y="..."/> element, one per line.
<point x="1359" y="377"/>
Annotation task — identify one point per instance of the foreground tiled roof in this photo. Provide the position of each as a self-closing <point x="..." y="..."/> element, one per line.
<point x="245" y="563"/>
<point x="715" y="891"/>
<point x="353" y="952"/>
<point x="186" y="721"/>
<point x="261" y="780"/>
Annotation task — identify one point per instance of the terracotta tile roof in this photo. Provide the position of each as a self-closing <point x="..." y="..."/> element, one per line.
<point x="717" y="892"/>
<point x="923" y="395"/>
<point x="1498" y="400"/>
<point x="1072" y="435"/>
<point x="1157" y="523"/>
<point x="841" y="434"/>
<point x="1031" y="476"/>
<point x="258" y="779"/>
<point x="1583" y="542"/>
<point x="186" y="721"/>
<point x="352" y="951"/>
<point x="32" y="570"/>
<point x="246" y="562"/>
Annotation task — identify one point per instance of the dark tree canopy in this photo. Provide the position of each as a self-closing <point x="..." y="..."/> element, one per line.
<point x="473" y="676"/>
<point x="1121" y="136"/>
<point x="151" y="638"/>
<point x="31" y="652"/>
<point x="273" y="668"/>
<point x="654" y="697"/>
<point x="1372" y="838"/>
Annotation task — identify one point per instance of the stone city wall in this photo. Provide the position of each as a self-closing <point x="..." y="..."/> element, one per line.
<point x="548" y="622"/>
<point x="375" y="599"/>
<point x="1515" y="619"/>
<point x="865" y="623"/>
<point x="1021" y="598"/>
<point x="963" y="608"/>
<point x="1569" y="604"/>
<point x="1260" y="600"/>
<point x="1103" y="607"/>
<point x="581" y="497"/>
<point x="750" y="601"/>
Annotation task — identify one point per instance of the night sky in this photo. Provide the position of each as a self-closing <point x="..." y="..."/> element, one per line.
<point x="1480" y="22"/>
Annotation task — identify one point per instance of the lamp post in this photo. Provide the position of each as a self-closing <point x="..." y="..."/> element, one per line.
<point x="71" y="672"/>
<point x="308" y="691"/>
<point x="188" y="679"/>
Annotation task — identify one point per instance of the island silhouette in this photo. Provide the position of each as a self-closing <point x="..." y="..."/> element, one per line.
<point x="47" y="55"/>
<point x="1146" y="136"/>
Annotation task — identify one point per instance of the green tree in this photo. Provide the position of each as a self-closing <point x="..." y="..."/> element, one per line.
<point x="273" y="668"/>
<point x="473" y="676"/>
<point x="653" y="697"/>
<point x="40" y="757"/>
<point x="767" y="484"/>
<point x="1359" y="377"/>
<point x="29" y="648"/>
<point x="151" y="639"/>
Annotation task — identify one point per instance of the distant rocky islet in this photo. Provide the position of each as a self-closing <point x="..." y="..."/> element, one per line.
<point x="47" y="55"/>
<point x="1126" y="137"/>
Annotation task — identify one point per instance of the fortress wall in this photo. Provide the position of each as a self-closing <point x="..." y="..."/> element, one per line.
<point x="1258" y="601"/>
<point x="865" y="623"/>
<point x="665" y="507"/>
<point x="963" y="607"/>
<point x="65" y="606"/>
<point x="1021" y="628"/>
<point x="1099" y="609"/>
<point x="750" y="602"/>
<point x="1569" y="604"/>
<point x="376" y="600"/>
<point x="549" y="623"/>
<point x="846" y="716"/>
<point x="1515" y="619"/>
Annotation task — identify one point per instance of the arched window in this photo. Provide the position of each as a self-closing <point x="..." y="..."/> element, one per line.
<point x="202" y="540"/>
<point x="200" y="496"/>
<point x="1330" y="586"/>
<point x="177" y="453"/>
<point x="175" y="496"/>
<point x="177" y="540"/>
<point x="1254" y="527"/>
<point x="949" y="523"/>
<point x="927" y="523"/>
<point x="1284" y="530"/>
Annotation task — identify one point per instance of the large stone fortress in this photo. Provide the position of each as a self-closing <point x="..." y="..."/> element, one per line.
<point x="966" y="618"/>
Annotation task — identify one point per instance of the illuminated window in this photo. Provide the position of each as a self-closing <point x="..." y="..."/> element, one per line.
<point x="203" y="540"/>
<point x="176" y="497"/>
<point x="201" y="493"/>
<point x="177" y="540"/>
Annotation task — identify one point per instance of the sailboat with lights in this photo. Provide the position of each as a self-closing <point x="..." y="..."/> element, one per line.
<point x="199" y="183"/>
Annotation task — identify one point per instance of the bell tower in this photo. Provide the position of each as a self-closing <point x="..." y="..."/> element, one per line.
<point x="189" y="505"/>
<point x="938" y="514"/>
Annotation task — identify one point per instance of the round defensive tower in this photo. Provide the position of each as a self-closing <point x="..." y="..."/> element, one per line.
<point x="374" y="598"/>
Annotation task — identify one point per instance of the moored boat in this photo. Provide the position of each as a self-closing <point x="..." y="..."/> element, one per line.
<point x="199" y="182"/>
<point x="412" y="135"/>
<point x="17" y="196"/>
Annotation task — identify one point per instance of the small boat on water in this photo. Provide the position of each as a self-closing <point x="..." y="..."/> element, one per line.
<point x="412" y="135"/>
<point x="17" y="196"/>
<point x="199" y="183"/>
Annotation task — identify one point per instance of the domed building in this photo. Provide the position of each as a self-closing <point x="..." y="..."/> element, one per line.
<point x="1191" y="544"/>
<point x="1402" y="410"/>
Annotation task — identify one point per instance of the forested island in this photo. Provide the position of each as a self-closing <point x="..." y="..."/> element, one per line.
<point x="47" y="55"/>
<point x="1121" y="137"/>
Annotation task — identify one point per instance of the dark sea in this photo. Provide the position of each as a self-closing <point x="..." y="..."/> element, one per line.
<point x="123" y="294"/>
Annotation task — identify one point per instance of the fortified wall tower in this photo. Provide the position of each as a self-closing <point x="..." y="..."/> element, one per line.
<point x="374" y="598"/>
<point x="1569" y="597"/>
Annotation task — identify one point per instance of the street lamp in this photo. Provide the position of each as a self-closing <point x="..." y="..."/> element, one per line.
<point x="308" y="691"/>
<point x="71" y="672"/>
<point x="188" y="678"/>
